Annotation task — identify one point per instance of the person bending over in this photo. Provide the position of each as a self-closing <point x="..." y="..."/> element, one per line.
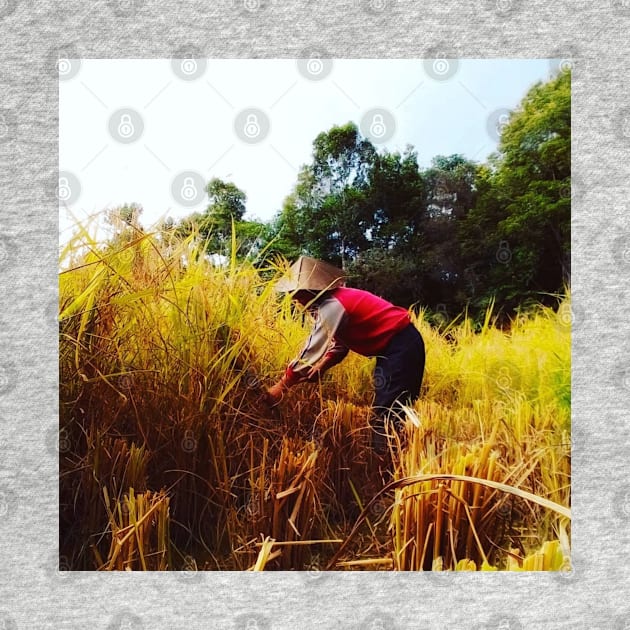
<point x="353" y="319"/>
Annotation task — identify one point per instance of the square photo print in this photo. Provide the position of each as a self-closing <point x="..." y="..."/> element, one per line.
<point x="314" y="314"/>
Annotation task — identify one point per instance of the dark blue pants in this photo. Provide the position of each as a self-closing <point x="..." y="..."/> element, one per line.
<point x="398" y="375"/>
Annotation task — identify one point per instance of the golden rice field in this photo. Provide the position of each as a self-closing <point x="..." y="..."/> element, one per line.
<point x="170" y="459"/>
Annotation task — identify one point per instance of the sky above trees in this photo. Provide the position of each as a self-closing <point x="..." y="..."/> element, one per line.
<point x="188" y="123"/>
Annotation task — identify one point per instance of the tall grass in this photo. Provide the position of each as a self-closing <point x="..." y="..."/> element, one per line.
<point x="163" y="358"/>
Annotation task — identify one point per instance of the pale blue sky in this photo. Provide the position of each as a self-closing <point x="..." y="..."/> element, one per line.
<point x="188" y="125"/>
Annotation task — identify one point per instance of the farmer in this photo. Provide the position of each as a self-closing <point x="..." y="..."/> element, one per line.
<point x="352" y="319"/>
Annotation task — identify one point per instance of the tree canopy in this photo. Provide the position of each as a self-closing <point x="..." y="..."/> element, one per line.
<point x="455" y="235"/>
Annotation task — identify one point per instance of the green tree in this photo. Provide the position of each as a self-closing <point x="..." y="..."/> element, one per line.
<point x="328" y="213"/>
<point x="518" y="239"/>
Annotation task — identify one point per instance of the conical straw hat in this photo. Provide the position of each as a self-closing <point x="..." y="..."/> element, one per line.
<point x="311" y="275"/>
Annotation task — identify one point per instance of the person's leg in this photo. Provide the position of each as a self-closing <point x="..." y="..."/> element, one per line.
<point x="397" y="379"/>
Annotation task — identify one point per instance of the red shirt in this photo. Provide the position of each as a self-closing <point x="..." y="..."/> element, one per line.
<point x="348" y="319"/>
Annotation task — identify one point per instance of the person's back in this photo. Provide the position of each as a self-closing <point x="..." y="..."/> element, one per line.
<point x="370" y="321"/>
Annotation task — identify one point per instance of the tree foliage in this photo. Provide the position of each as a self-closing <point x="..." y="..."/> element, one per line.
<point x="455" y="235"/>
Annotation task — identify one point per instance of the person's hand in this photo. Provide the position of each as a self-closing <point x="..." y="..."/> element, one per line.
<point x="274" y="394"/>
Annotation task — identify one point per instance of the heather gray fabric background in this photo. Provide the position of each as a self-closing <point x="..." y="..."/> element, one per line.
<point x="33" y="593"/>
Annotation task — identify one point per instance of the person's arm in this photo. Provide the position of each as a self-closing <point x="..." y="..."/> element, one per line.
<point x="336" y="353"/>
<point x="320" y="352"/>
